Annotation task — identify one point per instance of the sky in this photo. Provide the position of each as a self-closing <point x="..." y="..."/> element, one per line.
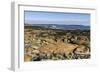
<point x="37" y="17"/>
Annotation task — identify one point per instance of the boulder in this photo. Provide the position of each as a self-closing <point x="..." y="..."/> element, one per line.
<point x="81" y="49"/>
<point x="35" y="52"/>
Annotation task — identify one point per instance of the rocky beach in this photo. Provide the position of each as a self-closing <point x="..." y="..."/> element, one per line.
<point x="55" y="44"/>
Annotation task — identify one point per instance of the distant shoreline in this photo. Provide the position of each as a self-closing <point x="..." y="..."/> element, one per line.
<point x="55" y="26"/>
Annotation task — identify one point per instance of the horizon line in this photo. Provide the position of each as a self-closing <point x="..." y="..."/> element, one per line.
<point x="55" y="24"/>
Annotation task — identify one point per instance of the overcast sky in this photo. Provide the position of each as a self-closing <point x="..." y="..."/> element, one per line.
<point x="33" y="17"/>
